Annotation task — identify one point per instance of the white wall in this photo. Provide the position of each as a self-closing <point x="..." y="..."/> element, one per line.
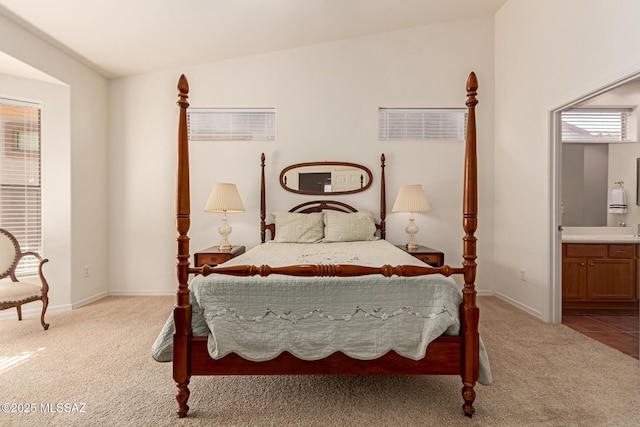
<point x="75" y="212"/>
<point x="544" y="59"/>
<point x="327" y="97"/>
<point x="55" y="175"/>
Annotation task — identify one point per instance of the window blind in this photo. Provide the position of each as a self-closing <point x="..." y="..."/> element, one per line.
<point x="599" y="125"/>
<point x="422" y="124"/>
<point x="20" y="179"/>
<point x="231" y="124"/>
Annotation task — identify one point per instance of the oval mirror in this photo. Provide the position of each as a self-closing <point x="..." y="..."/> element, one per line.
<point x="325" y="178"/>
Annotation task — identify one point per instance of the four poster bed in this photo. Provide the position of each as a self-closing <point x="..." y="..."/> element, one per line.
<point x="355" y="305"/>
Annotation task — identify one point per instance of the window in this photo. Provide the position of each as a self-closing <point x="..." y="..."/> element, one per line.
<point x="20" y="185"/>
<point x="231" y="124"/>
<point x="422" y="124"/>
<point x="601" y="124"/>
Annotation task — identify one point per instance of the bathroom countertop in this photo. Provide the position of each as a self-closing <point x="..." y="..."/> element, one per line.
<point x="622" y="235"/>
<point x="595" y="238"/>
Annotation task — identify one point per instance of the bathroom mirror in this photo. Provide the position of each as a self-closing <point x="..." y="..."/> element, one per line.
<point x="318" y="178"/>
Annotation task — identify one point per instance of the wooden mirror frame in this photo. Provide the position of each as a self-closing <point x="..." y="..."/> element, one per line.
<point x="364" y="169"/>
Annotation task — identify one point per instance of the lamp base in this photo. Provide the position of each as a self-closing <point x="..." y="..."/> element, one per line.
<point x="411" y="230"/>
<point x="412" y="247"/>
<point x="224" y="230"/>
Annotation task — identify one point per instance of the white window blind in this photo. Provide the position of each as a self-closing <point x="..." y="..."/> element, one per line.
<point x="422" y="124"/>
<point x="20" y="185"/>
<point x="231" y="124"/>
<point x="599" y="125"/>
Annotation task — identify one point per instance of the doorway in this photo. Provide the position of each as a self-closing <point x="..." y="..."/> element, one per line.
<point x="598" y="325"/>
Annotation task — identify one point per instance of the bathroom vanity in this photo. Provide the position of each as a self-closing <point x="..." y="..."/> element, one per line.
<point x="599" y="271"/>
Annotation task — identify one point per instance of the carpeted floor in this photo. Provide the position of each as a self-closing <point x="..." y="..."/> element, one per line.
<point x="96" y="361"/>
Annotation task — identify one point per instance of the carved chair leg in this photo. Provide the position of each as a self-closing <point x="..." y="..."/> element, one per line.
<point x="19" y="308"/>
<point x="182" y="397"/>
<point x="45" y="303"/>
<point x="469" y="395"/>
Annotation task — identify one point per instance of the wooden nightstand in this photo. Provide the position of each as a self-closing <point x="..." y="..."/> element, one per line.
<point x="427" y="255"/>
<point x="213" y="256"/>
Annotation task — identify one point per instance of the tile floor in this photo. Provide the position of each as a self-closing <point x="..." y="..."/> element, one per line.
<point x="617" y="329"/>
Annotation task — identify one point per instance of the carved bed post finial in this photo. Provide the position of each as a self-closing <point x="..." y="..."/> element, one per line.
<point x="383" y="199"/>
<point x="472" y="89"/>
<point x="263" y="200"/>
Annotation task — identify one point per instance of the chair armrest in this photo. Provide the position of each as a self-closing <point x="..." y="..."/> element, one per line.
<point x="45" y="285"/>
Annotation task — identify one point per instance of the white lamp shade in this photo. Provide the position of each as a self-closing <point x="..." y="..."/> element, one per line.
<point x="224" y="197"/>
<point x="411" y="198"/>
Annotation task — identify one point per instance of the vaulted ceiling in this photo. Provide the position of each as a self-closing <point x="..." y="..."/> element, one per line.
<point x="127" y="37"/>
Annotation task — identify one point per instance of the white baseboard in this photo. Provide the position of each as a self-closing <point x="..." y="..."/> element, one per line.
<point x="128" y="293"/>
<point x="89" y="300"/>
<point x="35" y="311"/>
<point x="518" y="304"/>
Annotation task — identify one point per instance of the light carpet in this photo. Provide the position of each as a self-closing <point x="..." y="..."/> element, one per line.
<point x="98" y="358"/>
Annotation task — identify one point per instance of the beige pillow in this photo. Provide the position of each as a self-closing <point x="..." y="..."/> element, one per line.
<point x="349" y="227"/>
<point x="292" y="227"/>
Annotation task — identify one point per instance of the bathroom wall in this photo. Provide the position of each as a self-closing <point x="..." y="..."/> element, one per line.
<point x="623" y="156"/>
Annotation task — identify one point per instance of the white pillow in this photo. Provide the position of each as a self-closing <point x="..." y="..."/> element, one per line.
<point x="349" y="227"/>
<point x="293" y="227"/>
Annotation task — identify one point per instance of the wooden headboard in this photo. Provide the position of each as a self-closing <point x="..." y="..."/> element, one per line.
<point x="320" y="205"/>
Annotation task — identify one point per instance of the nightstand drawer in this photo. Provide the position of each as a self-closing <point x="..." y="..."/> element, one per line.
<point x="211" y="259"/>
<point x="427" y="255"/>
<point x="431" y="259"/>
<point x="212" y="256"/>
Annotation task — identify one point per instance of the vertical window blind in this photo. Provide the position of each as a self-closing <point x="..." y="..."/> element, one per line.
<point x="231" y="124"/>
<point x="608" y="124"/>
<point x="20" y="183"/>
<point x="422" y="124"/>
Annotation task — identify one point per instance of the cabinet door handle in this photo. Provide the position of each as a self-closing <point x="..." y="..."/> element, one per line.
<point x="582" y="264"/>
<point x="591" y="264"/>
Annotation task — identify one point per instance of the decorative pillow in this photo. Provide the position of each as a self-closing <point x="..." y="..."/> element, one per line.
<point x="293" y="227"/>
<point x="349" y="227"/>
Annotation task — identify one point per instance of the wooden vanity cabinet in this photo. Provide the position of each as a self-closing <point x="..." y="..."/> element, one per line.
<point x="599" y="275"/>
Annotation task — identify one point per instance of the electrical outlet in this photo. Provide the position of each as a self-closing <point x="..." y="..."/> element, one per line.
<point x="523" y="275"/>
<point x="85" y="271"/>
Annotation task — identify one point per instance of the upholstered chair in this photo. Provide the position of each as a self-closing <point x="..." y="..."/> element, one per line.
<point x="14" y="293"/>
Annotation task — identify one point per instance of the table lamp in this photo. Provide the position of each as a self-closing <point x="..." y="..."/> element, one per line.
<point x="224" y="198"/>
<point x="411" y="198"/>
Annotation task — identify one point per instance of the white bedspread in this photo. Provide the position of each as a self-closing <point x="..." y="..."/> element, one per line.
<point x="310" y="317"/>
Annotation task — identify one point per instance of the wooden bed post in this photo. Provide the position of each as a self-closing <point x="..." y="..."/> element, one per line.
<point x="182" y="310"/>
<point x="469" y="313"/>
<point x="263" y="201"/>
<point x="383" y="199"/>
